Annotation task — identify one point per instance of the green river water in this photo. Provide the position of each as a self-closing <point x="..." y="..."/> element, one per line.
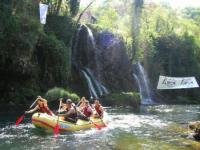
<point x="158" y="127"/>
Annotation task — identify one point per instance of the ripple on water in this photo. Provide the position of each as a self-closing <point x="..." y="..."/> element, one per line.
<point x="155" y="127"/>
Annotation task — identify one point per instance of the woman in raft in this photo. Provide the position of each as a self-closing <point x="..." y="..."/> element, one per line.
<point x="41" y="107"/>
<point x="85" y="112"/>
<point x="99" y="111"/>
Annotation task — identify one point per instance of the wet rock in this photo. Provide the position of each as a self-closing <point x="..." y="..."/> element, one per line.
<point x="105" y="55"/>
<point x="195" y="126"/>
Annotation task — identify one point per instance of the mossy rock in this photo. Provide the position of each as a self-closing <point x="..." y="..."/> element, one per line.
<point x="56" y="93"/>
<point x="194" y="125"/>
<point x="122" y="99"/>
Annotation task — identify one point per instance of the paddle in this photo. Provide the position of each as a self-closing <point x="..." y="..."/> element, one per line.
<point x="57" y="127"/>
<point x="100" y="117"/>
<point x="20" y="119"/>
<point x="96" y="125"/>
<point x="104" y="125"/>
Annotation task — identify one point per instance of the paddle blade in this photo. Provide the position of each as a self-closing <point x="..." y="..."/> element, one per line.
<point x="97" y="126"/>
<point x="104" y="125"/>
<point x="19" y="120"/>
<point x="56" y="130"/>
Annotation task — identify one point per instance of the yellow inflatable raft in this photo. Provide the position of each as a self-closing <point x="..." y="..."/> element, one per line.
<point x="45" y="121"/>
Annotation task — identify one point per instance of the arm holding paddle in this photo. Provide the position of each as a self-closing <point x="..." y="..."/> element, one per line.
<point x="72" y="111"/>
<point x="57" y="127"/>
<point x="32" y="110"/>
<point x="20" y="119"/>
<point x="97" y="115"/>
<point x="99" y="111"/>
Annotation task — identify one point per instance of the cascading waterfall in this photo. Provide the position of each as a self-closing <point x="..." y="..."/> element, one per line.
<point x="143" y="84"/>
<point x="91" y="37"/>
<point x="91" y="40"/>
<point x="90" y="85"/>
<point x="96" y="89"/>
<point x="102" y="89"/>
<point x="86" y="60"/>
<point x="76" y="43"/>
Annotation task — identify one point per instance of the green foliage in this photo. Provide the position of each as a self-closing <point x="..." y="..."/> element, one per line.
<point x="169" y="45"/>
<point x="63" y="7"/>
<point x="176" y="55"/>
<point x="56" y="93"/>
<point x="114" y="16"/>
<point x="62" y="26"/>
<point x="32" y="59"/>
<point x="18" y="35"/>
<point x="74" y="7"/>
<point x="123" y="99"/>
<point x="53" y="57"/>
<point x="107" y="18"/>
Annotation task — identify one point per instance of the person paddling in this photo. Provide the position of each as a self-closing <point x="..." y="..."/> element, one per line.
<point x="81" y="103"/>
<point x="99" y="109"/>
<point x="69" y="111"/>
<point x="41" y="107"/>
<point x="85" y="112"/>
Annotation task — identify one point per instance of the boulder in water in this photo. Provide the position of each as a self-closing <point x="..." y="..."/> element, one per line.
<point x="195" y="126"/>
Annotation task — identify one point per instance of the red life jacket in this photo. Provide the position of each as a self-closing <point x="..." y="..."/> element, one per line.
<point x="87" y="111"/>
<point x="45" y="109"/>
<point x="99" y="112"/>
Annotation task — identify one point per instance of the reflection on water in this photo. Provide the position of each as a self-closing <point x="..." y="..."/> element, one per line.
<point x="162" y="127"/>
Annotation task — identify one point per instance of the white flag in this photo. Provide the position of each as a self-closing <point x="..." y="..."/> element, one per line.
<point x="176" y="83"/>
<point x="43" y="13"/>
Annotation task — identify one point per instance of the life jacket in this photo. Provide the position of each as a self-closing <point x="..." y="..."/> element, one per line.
<point x="87" y="112"/>
<point x="45" y="109"/>
<point x="73" y="116"/>
<point x="99" y="112"/>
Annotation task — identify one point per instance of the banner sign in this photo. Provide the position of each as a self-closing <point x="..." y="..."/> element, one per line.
<point x="43" y="13"/>
<point x="176" y="82"/>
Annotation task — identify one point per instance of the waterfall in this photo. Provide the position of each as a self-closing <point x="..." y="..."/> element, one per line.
<point x="90" y="85"/>
<point x="97" y="55"/>
<point x="86" y="60"/>
<point x="101" y="89"/>
<point x="74" y="48"/>
<point x="91" y="37"/>
<point x="143" y="84"/>
<point x="95" y="87"/>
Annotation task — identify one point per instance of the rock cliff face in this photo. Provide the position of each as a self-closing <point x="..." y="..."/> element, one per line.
<point x="105" y="55"/>
<point x="115" y="65"/>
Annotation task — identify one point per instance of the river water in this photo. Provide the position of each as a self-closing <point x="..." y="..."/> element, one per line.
<point x="158" y="127"/>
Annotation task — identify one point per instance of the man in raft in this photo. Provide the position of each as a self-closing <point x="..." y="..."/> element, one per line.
<point x="41" y="107"/>
<point x="69" y="111"/>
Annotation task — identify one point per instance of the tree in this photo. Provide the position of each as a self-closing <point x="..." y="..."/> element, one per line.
<point x="137" y="9"/>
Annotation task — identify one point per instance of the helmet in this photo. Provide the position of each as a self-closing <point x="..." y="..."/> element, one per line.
<point x="68" y="101"/>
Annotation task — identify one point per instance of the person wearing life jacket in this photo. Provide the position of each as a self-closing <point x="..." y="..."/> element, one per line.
<point x="84" y="110"/>
<point x="69" y="112"/>
<point x="87" y="110"/>
<point x="99" y="111"/>
<point x="41" y="107"/>
<point x="81" y="103"/>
